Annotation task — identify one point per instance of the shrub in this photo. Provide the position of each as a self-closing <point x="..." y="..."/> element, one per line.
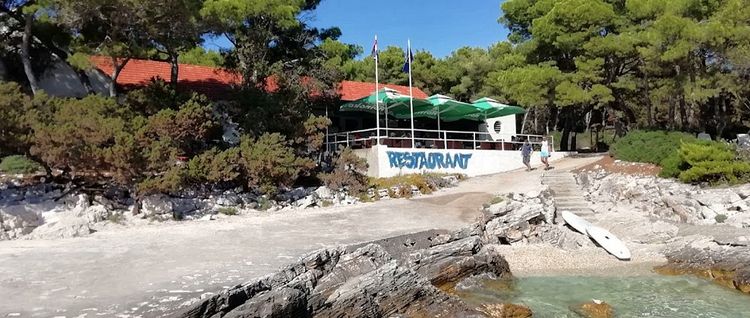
<point x="18" y="165"/>
<point x="269" y="162"/>
<point x="228" y="211"/>
<point x="348" y="173"/>
<point x="720" y="218"/>
<point x="649" y="146"/>
<point x="710" y="162"/>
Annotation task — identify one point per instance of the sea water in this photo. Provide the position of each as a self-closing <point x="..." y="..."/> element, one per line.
<point x="636" y="296"/>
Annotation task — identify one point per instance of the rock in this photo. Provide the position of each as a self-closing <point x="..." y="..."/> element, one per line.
<point x="504" y="228"/>
<point x="594" y="309"/>
<point x="726" y="265"/>
<point x="385" y="278"/>
<point x="325" y="193"/>
<point x="66" y="227"/>
<point x="159" y="206"/>
<point x="228" y="198"/>
<point x="306" y="201"/>
<point x="708" y="213"/>
<point x="532" y="194"/>
<point x="506" y="310"/>
<point x="655" y="232"/>
<point x="18" y="220"/>
<point x="561" y="236"/>
<point x="284" y="302"/>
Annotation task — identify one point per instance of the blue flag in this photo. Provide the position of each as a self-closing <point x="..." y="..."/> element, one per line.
<point x="408" y="58"/>
<point x="374" y="52"/>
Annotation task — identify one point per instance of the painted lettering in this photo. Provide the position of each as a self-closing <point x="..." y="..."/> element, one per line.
<point x="430" y="161"/>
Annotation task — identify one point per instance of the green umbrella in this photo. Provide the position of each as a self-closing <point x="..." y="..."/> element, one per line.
<point x="396" y="103"/>
<point x="447" y="109"/>
<point x="490" y="108"/>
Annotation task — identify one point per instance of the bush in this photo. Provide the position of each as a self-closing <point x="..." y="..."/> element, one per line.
<point x="348" y="173"/>
<point x="649" y="146"/>
<point x="710" y="162"/>
<point x="18" y="165"/>
<point x="269" y="162"/>
<point x="227" y="211"/>
<point x="706" y="162"/>
<point x="720" y="218"/>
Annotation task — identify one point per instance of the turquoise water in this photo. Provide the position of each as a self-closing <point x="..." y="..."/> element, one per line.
<point x="639" y="296"/>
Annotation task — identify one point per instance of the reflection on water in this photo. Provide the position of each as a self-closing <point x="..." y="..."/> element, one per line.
<point x="638" y="296"/>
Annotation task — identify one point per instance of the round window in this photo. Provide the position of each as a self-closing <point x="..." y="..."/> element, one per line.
<point x="498" y="127"/>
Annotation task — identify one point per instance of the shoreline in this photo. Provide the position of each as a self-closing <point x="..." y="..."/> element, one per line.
<point x="538" y="260"/>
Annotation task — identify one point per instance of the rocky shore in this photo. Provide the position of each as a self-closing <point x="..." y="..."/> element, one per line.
<point x="52" y="211"/>
<point x="700" y="231"/>
<point x="410" y="275"/>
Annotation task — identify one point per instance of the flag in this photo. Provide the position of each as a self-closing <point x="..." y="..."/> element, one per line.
<point x="374" y="52"/>
<point x="408" y="58"/>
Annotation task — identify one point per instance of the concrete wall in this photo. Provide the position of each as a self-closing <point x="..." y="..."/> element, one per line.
<point x="507" y="127"/>
<point x="387" y="162"/>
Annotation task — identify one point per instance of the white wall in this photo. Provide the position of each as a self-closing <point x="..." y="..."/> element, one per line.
<point x="387" y="162"/>
<point x="507" y="127"/>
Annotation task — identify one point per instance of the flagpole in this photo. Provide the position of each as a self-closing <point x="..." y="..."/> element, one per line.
<point x="411" y="94"/>
<point x="377" y="98"/>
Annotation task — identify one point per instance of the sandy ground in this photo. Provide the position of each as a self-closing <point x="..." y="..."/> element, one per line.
<point x="148" y="269"/>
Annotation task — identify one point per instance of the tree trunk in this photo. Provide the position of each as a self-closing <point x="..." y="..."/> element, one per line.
<point x="26" y="55"/>
<point x="3" y="71"/>
<point x="721" y="117"/>
<point x="670" y="115"/>
<point x="523" y="123"/>
<point x="174" y="71"/>
<point x="683" y="112"/>
<point x="117" y="68"/>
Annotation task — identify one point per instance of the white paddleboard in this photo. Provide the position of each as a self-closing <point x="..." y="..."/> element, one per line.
<point x="609" y="242"/>
<point x="576" y="222"/>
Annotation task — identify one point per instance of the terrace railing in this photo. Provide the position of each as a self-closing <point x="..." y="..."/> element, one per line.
<point x="423" y="138"/>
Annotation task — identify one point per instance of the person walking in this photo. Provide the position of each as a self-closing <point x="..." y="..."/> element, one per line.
<point x="544" y="153"/>
<point x="526" y="153"/>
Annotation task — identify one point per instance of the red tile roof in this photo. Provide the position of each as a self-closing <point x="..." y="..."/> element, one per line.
<point x="350" y="90"/>
<point x="215" y="82"/>
<point x="203" y="79"/>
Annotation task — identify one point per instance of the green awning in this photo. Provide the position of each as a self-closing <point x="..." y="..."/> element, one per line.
<point x="449" y="108"/>
<point x="396" y="103"/>
<point x="490" y="108"/>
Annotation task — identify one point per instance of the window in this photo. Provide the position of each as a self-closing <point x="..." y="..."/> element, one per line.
<point x="498" y="127"/>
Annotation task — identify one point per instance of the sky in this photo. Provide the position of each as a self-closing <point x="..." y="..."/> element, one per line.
<point x="438" y="26"/>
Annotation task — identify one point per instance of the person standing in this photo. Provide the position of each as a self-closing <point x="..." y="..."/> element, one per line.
<point x="526" y="153"/>
<point x="544" y="153"/>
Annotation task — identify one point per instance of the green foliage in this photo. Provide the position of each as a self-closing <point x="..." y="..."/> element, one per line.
<point x="712" y="163"/>
<point x="720" y="218"/>
<point x="78" y="133"/>
<point x="156" y="96"/>
<point x="18" y="165"/>
<point x="201" y="56"/>
<point x="348" y="173"/>
<point x="14" y="107"/>
<point x="228" y="211"/>
<point x="268" y="162"/>
<point x="649" y="146"/>
<point x="497" y="199"/>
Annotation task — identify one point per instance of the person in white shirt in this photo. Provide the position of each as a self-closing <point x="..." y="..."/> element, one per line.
<point x="544" y="153"/>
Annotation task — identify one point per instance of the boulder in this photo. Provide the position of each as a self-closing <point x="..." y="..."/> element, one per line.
<point x="387" y="278"/>
<point x="506" y="310"/>
<point x="158" y="206"/>
<point x="324" y="193"/>
<point x="505" y="228"/>
<point x="594" y="309"/>
<point x="18" y="220"/>
<point x="65" y="227"/>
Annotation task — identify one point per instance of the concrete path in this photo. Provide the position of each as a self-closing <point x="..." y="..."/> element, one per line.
<point x="150" y="270"/>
